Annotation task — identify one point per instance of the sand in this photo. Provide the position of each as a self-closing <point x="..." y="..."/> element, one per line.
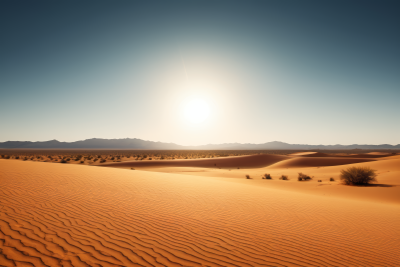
<point x="74" y="215"/>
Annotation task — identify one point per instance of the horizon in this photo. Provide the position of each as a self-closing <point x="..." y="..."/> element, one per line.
<point x="196" y="73"/>
<point x="132" y="138"/>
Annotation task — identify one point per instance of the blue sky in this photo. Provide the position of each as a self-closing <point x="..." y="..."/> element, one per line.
<point x="292" y="71"/>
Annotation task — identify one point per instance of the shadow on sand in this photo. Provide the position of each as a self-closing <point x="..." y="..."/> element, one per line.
<point x="375" y="185"/>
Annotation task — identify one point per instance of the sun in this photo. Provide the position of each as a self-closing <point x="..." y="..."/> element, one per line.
<point x="196" y="110"/>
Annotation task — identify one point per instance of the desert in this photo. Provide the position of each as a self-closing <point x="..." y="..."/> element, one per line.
<point x="192" y="213"/>
<point x="229" y="133"/>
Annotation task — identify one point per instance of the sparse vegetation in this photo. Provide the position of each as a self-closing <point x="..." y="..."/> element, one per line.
<point x="248" y="176"/>
<point x="303" y="177"/>
<point x="90" y="155"/>
<point x="331" y="179"/>
<point x="267" y="176"/>
<point x="358" y="176"/>
<point x="284" y="177"/>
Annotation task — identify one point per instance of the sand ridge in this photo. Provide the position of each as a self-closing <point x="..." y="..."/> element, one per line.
<point x="252" y="161"/>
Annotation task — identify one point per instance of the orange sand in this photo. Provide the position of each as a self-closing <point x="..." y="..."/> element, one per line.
<point x="72" y="215"/>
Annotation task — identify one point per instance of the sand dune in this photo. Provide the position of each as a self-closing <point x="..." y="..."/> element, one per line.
<point x="303" y="162"/>
<point x="309" y="154"/>
<point x="378" y="153"/>
<point x="295" y="160"/>
<point x="253" y="161"/>
<point x="363" y="155"/>
<point x="386" y="190"/>
<point x="71" y="215"/>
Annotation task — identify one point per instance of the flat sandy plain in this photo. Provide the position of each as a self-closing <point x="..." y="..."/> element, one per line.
<point x="200" y="212"/>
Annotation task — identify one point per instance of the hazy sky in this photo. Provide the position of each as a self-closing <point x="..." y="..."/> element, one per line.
<point x="315" y="72"/>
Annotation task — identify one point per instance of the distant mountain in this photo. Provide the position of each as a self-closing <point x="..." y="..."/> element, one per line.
<point x="94" y="143"/>
<point x="129" y="143"/>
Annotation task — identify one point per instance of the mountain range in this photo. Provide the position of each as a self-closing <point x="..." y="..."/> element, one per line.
<point x="134" y="143"/>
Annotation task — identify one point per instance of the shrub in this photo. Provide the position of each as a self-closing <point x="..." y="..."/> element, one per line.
<point x="358" y="175"/>
<point x="63" y="161"/>
<point x="284" y="177"/>
<point x="248" y="176"/>
<point x="331" y="179"/>
<point x="303" y="177"/>
<point x="267" y="176"/>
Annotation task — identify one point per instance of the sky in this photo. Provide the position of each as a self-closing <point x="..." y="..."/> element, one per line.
<point x="201" y="72"/>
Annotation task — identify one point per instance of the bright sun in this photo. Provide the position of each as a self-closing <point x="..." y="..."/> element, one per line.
<point x="196" y="110"/>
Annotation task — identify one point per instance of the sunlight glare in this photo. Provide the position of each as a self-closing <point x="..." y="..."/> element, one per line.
<point x="196" y="110"/>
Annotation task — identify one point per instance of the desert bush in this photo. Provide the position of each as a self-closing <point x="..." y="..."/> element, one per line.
<point x="63" y="161"/>
<point x="358" y="175"/>
<point x="248" y="176"/>
<point x="319" y="181"/>
<point x="103" y="160"/>
<point x="284" y="177"/>
<point x="267" y="176"/>
<point x="331" y="179"/>
<point x="303" y="177"/>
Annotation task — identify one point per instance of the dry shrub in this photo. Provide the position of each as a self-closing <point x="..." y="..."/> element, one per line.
<point x="248" y="176"/>
<point x="358" y="176"/>
<point x="303" y="177"/>
<point x="331" y="179"/>
<point x="267" y="176"/>
<point x="284" y="177"/>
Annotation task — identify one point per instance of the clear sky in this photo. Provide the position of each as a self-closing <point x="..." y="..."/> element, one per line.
<point x="200" y="72"/>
